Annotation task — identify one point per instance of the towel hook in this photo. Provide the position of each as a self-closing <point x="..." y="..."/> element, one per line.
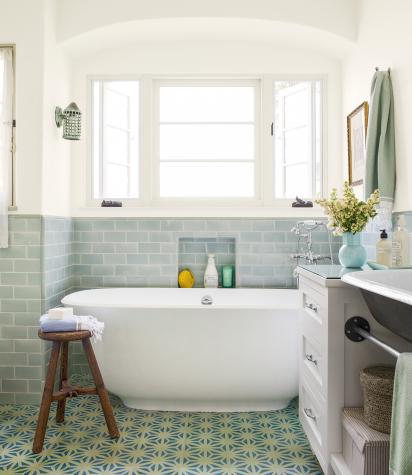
<point x="377" y="69"/>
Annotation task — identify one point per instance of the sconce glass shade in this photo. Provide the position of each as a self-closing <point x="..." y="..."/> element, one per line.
<point x="71" y="120"/>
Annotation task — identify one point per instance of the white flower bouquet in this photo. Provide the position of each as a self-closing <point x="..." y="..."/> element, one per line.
<point x="349" y="214"/>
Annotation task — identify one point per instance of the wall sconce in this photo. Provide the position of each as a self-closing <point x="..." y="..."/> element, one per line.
<point x="71" y="120"/>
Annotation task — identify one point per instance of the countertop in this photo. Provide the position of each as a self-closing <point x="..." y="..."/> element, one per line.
<point x="332" y="271"/>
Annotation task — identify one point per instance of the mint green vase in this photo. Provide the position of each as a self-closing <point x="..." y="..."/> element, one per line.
<point x="352" y="253"/>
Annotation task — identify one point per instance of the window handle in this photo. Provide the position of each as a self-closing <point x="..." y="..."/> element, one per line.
<point x="271" y="129"/>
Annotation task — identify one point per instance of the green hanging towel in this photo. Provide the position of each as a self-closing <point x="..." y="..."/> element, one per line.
<point x="380" y="170"/>
<point x="401" y="433"/>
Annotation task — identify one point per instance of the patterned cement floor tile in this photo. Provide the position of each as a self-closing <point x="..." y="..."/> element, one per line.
<point x="156" y="443"/>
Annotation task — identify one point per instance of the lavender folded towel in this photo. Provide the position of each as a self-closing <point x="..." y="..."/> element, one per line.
<point x="67" y="324"/>
<point x="73" y="323"/>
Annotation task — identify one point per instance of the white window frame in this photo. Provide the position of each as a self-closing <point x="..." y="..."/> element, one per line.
<point x="264" y="201"/>
<point x="96" y="202"/>
<point x="208" y="201"/>
<point x="12" y="170"/>
<point x="312" y="125"/>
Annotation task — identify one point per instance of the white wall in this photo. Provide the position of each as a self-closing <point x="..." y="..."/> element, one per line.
<point x="42" y="81"/>
<point x="385" y="39"/>
<point x="56" y="150"/>
<point x="206" y="57"/>
<point x="21" y="23"/>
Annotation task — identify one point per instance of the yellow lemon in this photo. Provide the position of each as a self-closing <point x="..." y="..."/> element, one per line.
<point x="186" y="279"/>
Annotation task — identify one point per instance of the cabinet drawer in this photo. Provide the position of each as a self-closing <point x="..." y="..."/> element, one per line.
<point x="312" y="362"/>
<point x="312" y="412"/>
<point x="314" y="315"/>
<point x="312" y="416"/>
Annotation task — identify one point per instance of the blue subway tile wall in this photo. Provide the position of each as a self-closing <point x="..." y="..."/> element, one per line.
<point x="57" y="259"/>
<point x="35" y="273"/>
<point x="145" y="252"/>
<point x="21" y="352"/>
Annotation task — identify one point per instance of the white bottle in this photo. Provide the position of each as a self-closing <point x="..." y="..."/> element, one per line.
<point x="211" y="279"/>
<point x="400" y="244"/>
<point x="384" y="250"/>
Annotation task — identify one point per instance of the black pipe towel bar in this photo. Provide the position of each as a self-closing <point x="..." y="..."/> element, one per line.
<point x="358" y="329"/>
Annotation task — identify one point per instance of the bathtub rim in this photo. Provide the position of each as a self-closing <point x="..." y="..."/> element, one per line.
<point x="69" y="301"/>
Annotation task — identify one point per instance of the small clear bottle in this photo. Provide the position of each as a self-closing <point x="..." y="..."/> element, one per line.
<point x="400" y="244"/>
<point x="384" y="250"/>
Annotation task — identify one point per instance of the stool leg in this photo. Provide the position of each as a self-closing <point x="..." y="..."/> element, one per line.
<point x="46" y="399"/>
<point x="101" y="390"/>
<point x="61" y="405"/>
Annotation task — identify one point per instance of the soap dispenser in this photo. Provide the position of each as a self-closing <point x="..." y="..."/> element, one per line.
<point x="384" y="250"/>
<point x="400" y="244"/>
<point x="211" y="279"/>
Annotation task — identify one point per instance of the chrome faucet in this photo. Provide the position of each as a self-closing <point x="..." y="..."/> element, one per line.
<point x="303" y="230"/>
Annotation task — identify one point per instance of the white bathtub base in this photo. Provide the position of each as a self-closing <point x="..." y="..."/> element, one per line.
<point x="205" y="406"/>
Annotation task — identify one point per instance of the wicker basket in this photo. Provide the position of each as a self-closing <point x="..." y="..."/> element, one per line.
<point x="377" y="386"/>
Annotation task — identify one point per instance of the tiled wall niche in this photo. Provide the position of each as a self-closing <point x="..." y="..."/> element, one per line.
<point x="49" y="257"/>
<point x="193" y="254"/>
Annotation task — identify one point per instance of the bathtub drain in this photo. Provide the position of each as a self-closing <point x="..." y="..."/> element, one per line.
<point x="206" y="300"/>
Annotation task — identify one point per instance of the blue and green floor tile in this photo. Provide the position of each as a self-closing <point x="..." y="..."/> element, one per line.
<point x="156" y="443"/>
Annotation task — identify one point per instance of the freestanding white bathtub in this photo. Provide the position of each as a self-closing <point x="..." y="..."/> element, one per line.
<point x="163" y="349"/>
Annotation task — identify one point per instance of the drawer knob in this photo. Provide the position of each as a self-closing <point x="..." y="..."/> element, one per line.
<point x="311" y="359"/>
<point x="311" y="306"/>
<point x="309" y="413"/>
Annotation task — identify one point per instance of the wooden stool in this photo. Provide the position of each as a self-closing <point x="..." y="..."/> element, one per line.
<point x="61" y="340"/>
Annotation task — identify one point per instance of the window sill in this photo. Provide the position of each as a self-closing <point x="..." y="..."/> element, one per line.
<point x="278" y="211"/>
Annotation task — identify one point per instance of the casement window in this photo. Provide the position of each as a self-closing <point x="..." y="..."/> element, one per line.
<point x="7" y="124"/>
<point x="161" y="141"/>
<point x="206" y="139"/>
<point x="297" y="134"/>
<point x="115" y="139"/>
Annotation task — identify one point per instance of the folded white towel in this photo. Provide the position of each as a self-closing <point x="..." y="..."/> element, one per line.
<point x="59" y="313"/>
<point x="73" y="323"/>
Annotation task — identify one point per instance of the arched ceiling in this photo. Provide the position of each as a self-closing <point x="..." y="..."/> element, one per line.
<point x="210" y="30"/>
<point x="335" y="17"/>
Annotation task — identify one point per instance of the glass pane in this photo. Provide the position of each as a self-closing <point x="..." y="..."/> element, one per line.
<point x="297" y="103"/>
<point x="297" y="138"/>
<point x="207" y="104"/>
<point x="116" y="108"/>
<point x="116" y="145"/>
<point x="206" y="180"/>
<point x="298" y="181"/>
<point x="297" y="145"/>
<point x="115" y="181"/>
<point x="207" y="142"/>
<point x="115" y="135"/>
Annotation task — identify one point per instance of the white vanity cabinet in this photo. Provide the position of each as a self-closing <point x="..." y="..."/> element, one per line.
<point x="329" y="366"/>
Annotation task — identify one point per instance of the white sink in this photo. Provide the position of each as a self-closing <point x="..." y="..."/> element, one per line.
<point x="394" y="284"/>
<point x="388" y="294"/>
